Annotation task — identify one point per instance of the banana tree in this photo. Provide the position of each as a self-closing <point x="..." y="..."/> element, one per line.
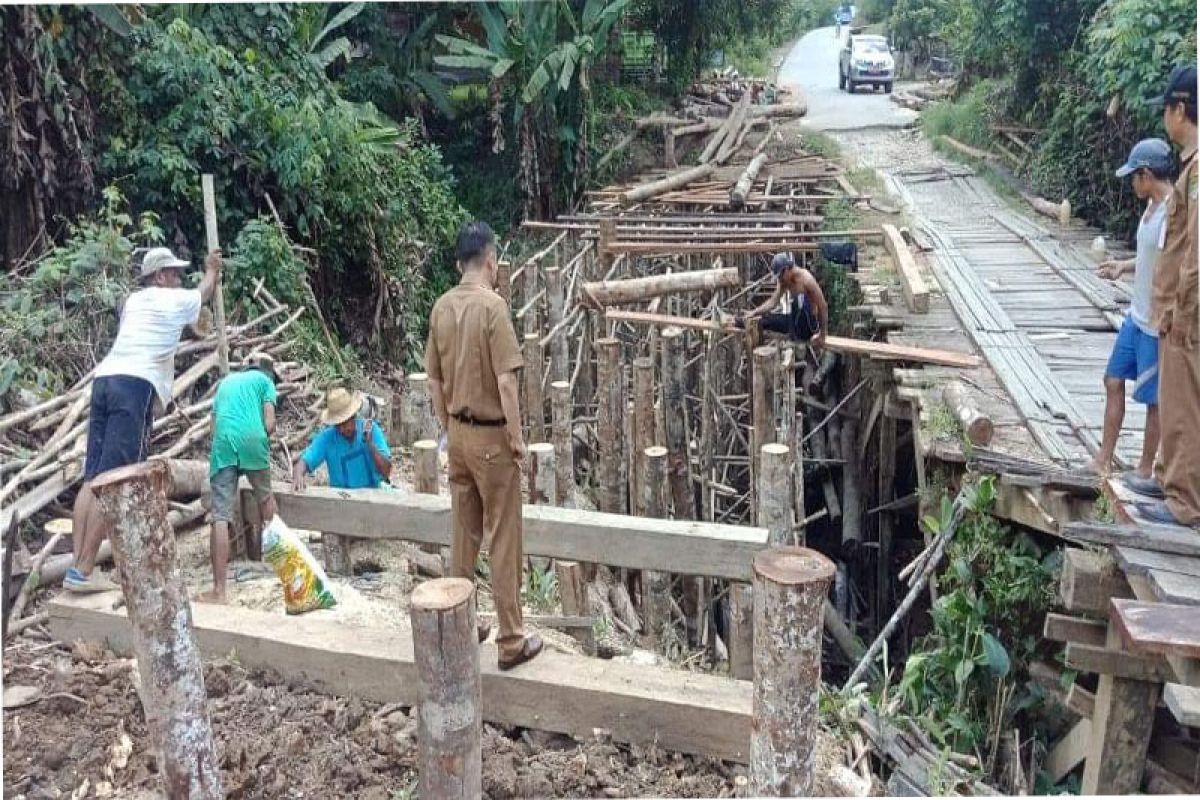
<point x="539" y="55"/>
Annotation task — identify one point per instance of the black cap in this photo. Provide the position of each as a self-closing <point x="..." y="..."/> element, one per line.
<point x="781" y="263"/>
<point x="1181" y="87"/>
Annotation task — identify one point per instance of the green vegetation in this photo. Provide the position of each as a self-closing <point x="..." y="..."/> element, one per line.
<point x="1078" y="71"/>
<point x="540" y="591"/>
<point x="966" y="682"/>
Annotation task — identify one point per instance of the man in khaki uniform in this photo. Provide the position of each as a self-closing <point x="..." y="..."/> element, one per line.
<point x="472" y="360"/>
<point x="1174" y="312"/>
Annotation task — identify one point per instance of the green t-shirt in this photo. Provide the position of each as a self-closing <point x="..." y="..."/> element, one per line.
<point x="239" y="433"/>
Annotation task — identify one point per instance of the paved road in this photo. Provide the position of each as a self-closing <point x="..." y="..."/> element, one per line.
<point x="812" y="64"/>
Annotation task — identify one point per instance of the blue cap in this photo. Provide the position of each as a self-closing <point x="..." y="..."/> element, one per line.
<point x="781" y="263"/>
<point x="1151" y="154"/>
<point x="1181" y="87"/>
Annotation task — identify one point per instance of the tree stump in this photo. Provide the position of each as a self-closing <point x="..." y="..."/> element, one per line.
<point x="172" y="687"/>
<point x="564" y="447"/>
<point x="610" y="427"/>
<point x="542" y="491"/>
<point x="774" y="507"/>
<point x="534" y="405"/>
<point x="417" y="417"/>
<point x="790" y="584"/>
<point x="446" y="655"/>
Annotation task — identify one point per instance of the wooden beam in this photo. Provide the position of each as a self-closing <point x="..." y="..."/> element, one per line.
<point x="638" y="290"/>
<point x="1070" y="751"/>
<point x="684" y="711"/>
<point x="1147" y="627"/>
<point x="1100" y="660"/>
<point x="1081" y="701"/>
<point x="1164" y="538"/>
<point x="912" y="282"/>
<point x="880" y="350"/>
<point x="674" y="247"/>
<point x="1184" y="702"/>
<point x="1089" y="581"/>
<point x="1062" y="628"/>
<point x="679" y="546"/>
<point x="1122" y="721"/>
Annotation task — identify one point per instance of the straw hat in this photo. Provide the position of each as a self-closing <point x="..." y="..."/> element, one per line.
<point x="340" y="405"/>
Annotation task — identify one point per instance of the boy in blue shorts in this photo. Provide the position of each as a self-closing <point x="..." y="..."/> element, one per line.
<point x="1151" y="167"/>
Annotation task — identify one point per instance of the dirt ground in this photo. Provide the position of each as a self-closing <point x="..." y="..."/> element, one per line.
<point x="86" y="737"/>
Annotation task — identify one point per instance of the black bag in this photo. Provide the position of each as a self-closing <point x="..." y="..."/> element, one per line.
<point x="843" y="253"/>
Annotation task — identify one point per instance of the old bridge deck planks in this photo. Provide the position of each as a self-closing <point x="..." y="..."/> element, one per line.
<point x="1029" y="300"/>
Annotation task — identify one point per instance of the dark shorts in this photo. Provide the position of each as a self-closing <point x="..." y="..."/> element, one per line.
<point x="799" y="323"/>
<point x="1135" y="358"/>
<point x="119" y="423"/>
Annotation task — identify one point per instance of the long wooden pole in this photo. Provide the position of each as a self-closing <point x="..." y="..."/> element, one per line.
<point x="172" y="686"/>
<point x="610" y="426"/>
<point x="210" y="232"/>
<point x="564" y="449"/>
<point x="656" y="586"/>
<point x="675" y="421"/>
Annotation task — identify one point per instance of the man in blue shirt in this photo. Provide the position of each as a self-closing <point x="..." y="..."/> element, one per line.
<point x="353" y="450"/>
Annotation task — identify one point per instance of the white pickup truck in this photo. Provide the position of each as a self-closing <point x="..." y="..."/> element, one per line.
<point x="866" y="59"/>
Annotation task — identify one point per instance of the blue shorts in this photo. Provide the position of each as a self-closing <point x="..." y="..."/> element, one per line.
<point x="119" y="423"/>
<point x="1135" y="358"/>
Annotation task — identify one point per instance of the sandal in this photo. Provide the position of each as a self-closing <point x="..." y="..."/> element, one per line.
<point x="529" y="650"/>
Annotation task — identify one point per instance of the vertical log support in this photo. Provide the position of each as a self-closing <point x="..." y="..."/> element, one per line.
<point x="606" y="234"/>
<point x="643" y="424"/>
<point x="886" y="493"/>
<point x="774" y="509"/>
<point x="530" y="278"/>
<point x="669" y="148"/>
<point x="610" y="427"/>
<point x="656" y="586"/>
<point x="446" y="655"/>
<point x="425" y="466"/>
<point x="504" y="280"/>
<point x="418" y="421"/>
<point x="766" y="365"/>
<point x="674" y="412"/>
<point x="556" y="310"/>
<point x="535" y="406"/>
<point x="172" y="688"/>
<point x="798" y="475"/>
<point x="564" y="449"/>
<point x="710" y="379"/>
<point x="542" y="491"/>
<point x="790" y="584"/>
<point x="1122" y="722"/>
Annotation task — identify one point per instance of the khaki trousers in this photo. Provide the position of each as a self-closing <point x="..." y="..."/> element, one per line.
<point x="485" y="503"/>
<point x="1178" y="468"/>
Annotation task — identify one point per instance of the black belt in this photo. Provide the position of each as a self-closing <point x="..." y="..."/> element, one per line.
<point x="467" y="419"/>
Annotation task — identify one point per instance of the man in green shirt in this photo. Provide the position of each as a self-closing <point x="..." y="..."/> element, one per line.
<point x="243" y="421"/>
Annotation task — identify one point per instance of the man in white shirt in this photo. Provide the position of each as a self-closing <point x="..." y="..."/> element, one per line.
<point x="1150" y="167"/>
<point x="133" y="378"/>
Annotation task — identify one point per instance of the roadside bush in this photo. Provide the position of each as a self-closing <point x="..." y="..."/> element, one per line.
<point x="968" y="118"/>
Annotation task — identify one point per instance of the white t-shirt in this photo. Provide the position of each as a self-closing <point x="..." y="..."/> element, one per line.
<point x="151" y="323"/>
<point x="1149" y="243"/>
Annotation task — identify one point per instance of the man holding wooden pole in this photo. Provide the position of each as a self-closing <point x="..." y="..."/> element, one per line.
<point x="808" y="317"/>
<point x="472" y="359"/>
<point x="133" y="379"/>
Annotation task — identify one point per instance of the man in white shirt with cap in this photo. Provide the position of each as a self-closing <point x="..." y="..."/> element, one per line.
<point x="133" y="379"/>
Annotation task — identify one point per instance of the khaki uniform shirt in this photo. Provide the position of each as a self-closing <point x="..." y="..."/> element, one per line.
<point x="471" y="343"/>
<point x="1175" y="276"/>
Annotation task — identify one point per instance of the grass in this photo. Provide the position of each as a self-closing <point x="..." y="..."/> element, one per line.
<point x="943" y="423"/>
<point x="1102" y="509"/>
<point x="821" y="144"/>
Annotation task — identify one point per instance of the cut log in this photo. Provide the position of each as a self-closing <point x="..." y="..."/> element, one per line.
<point x="676" y="180"/>
<point x="727" y="130"/>
<point x="541" y="474"/>
<point x="973" y="152"/>
<point x="737" y="195"/>
<point x="798" y="109"/>
<point x="977" y="425"/>
<point x="637" y="290"/>
<point x="1057" y="211"/>
<point x="172" y="688"/>
<point x="880" y="350"/>
<point x="790" y="584"/>
<point x="446" y="658"/>
<point x="564" y="447"/>
<point x="610" y="427"/>
<point x="676" y="424"/>
<point x="775" y="493"/>
<point x="534" y="404"/>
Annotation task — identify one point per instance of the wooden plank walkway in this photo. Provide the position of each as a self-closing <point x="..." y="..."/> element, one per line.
<point x="1025" y="294"/>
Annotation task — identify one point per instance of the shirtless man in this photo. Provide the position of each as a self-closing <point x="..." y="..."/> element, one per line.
<point x="808" y="317"/>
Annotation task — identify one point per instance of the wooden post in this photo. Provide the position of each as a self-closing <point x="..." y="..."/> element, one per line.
<point x="446" y="657"/>
<point x="564" y="449"/>
<point x="556" y="310"/>
<point x="504" y="280"/>
<point x="1122" y="721"/>
<point x="606" y="234"/>
<point x="643" y="423"/>
<point x="542" y="491"/>
<point x="535" y="407"/>
<point x="656" y="586"/>
<point x="766" y="365"/>
<point x="418" y="421"/>
<point x="774" y="508"/>
<point x="172" y="685"/>
<point x="218" y="298"/>
<point x="886" y="493"/>
<point x="851" y="484"/>
<point x="610" y="427"/>
<point x="790" y="584"/>
<point x="798" y="475"/>
<point x="675" y="420"/>
<point x="337" y="555"/>
<point x="425" y="464"/>
<point x="530" y="276"/>
<point x="669" y="148"/>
